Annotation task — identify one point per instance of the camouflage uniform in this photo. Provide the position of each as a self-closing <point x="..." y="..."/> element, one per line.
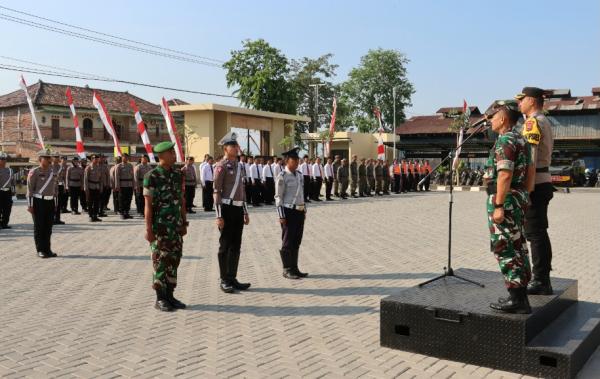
<point x="507" y="239"/>
<point x="166" y="188"/>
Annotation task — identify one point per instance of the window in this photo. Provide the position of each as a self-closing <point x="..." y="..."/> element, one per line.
<point x="157" y="131"/>
<point x="88" y="128"/>
<point x="55" y="128"/>
<point x="118" y="129"/>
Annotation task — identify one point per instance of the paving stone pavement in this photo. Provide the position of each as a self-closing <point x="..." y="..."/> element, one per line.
<point x="89" y="313"/>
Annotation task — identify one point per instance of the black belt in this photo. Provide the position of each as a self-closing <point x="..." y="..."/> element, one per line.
<point x="492" y="189"/>
<point x="542" y="169"/>
<point x="93" y="181"/>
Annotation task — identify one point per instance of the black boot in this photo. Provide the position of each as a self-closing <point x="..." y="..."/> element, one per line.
<point x="288" y="273"/>
<point x="517" y="303"/>
<point x="172" y="300"/>
<point x="226" y="286"/>
<point x="162" y="304"/>
<point x="295" y="268"/>
<point x="240" y="286"/>
<point x="540" y="286"/>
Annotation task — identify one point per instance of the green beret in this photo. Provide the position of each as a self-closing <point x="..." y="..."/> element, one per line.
<point x="163" y="146"/>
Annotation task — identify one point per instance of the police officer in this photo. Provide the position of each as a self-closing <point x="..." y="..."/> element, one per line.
<point x="7" y="190"/>
<point x="353" y="176"/>
<point x="207" y="178"/>
<point x="191" y="182"/>
<point x="337" y="162"/>
<point x="537" y="130"/>
<point x="292" y="213"/>
<point x="370" y="177"/>
<point x="166" y="224"/>
<point x="106" y="188"/>
<point x="231" y="212"/>
<point x="508" y="175"/>
<point x="42" y="186"/>
<point x="378" y="172"/>
<point x="59" y="172"/>
<point x="139" y="172"/>
<point x="343" y="173"/>
<point x="124" y="185"/>
<point x="92" y="185"/>
<point x="73" y="182"/>
<point x="363" y="188"/>
<point x="82" y="199"/>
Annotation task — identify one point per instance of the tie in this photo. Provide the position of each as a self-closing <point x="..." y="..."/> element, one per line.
<point x="320" y="172"/>
<point x="211" y="172"/>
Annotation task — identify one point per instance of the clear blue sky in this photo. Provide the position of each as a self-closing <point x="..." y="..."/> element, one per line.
<point x="477" y="50"/>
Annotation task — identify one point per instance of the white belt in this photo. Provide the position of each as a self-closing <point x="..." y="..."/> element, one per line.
<point x="38" y="196"/>
<point x="235" y="203"/>
<point x="61" y="183"/>
<point x="5" y="189"/>
<point x="299" y="207"/>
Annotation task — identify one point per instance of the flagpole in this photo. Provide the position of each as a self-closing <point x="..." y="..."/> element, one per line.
<point x="394" y="132"/>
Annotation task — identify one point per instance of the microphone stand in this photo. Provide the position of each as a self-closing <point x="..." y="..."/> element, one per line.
<point x="449" y="271"/>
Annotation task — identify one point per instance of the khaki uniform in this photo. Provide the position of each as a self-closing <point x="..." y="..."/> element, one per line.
<point x="73" y="182"/>
<point x="139" y="172"/>
<point x="124" y="186"/>
<point x="92" y="185"/>
<point x="42" y="186"/>
<point x="7" y="189"/>
<point x="353" y="178"/>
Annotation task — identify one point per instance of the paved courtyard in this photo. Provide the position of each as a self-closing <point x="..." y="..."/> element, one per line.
<point x="89" y="313"/>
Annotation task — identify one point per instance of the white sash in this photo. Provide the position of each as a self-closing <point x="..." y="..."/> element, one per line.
<point x="47" y="182"/>
<point x="237" y="181"/>
<point x="9" y="178"/>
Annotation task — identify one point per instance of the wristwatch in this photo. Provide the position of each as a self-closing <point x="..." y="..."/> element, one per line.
<point x="498" y="205"/>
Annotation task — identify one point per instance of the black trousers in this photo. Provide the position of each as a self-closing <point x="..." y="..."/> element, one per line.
<point x="139" y="201"/>
<point x="94" y="202"/>
<point x="74" y="193"/>
<point x="328" y="187"/>
<point x="83" y="201"/>
<point x="269" y="190"/>
<point x="105" y="197"/>
<point x="536" y="230"/>
<point x="43" y="217"/>
<point x="397" y="181"/>
<point x="291" y="237"/>
<point x="403" y="183"/>
<point x="427" y="182"/>
<point x="306" y="187"/>
<point x="115" y="197"/>
<point x="207" y="196"/>
<point x="256" y="192"/>
<point x="248" y="188"/>
<point x="230" y="241"/>
<point x="57" y="203"/>
<point x="190" y="195"/>
<point x="316" y="188"/>
<point x="6" y="203"/>
<point x="63" y="198"/>
<point x="125" y="194"/>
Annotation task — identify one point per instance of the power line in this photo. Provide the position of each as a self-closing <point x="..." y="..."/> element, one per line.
<point x="103" y="41"/>
<point x="53" y="67"/>
<point x="110" y="35"/>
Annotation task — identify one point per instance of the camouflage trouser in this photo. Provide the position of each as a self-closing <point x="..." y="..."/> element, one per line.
<point x="165" y="261"/>
<point x="507" y="242"/>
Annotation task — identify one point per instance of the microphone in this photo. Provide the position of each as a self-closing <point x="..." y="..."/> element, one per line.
<point x="480" y="122"/>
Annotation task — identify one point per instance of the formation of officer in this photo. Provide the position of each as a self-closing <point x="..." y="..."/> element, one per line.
<point x="7" y="191"/>
<point x="73" y="183"/>
<point x="124" y="185"/>
<point x="93" y="187"/>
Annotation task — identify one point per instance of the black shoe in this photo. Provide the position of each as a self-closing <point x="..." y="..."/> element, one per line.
<point x="59" y="222"/>
<point x="227" y="287"/>
<point x="516" y="303"/>
<point x="289" y="274"/>
<point x="41" y="254"/>
<point x="75" y="213"/>
<point x="173" y="301"/>
<point x="163" y="306"/>
<point x="538" y="287"/>
<point x="191" y="211"/>
<point x="299" y="273"/>
<point x="240" y="286"/>
<point x="6" y="227"/>
<point x="102" y="215"/>
<point x="52" y="254"/>
<point x="329" y="199"/>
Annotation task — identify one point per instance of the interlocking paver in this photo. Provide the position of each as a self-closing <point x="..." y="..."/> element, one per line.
<point x="89" y="313"/>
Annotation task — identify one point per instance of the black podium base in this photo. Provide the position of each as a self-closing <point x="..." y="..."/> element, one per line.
<point x="451" y="319"/>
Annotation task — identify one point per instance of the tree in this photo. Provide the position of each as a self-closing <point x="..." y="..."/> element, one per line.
<point x="371" y="85"/>
<point x="260" y="71"/>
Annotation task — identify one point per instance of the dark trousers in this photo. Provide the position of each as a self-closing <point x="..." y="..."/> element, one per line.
<point x="230" y="241"/>
<point x="63" y="198"/>
<point x="6" y="203"/>
<point x="316" y="190"/>
<point x="403" y="183"/>
<point x="269" y="190"/>
<point x="139" y="201"/>
<point x="190" y="195"/>
<point x="94" y="200"/>
<point x="410" y="182"/>
<point x="207" y="196"/>
<point x="306" y="187"/>
<point x="248" y="188"/>
<point x="74" y="193"/>
<point x="416" y="182"/>
<point x="105" y="198"/>
<point x="427" y="181"/>
<point x="397" y="179"/>
<point x="57" y="203"/>
<point x="43" y="217"/>
<point x="115" y="197"/>
<point x="536" y="230"/>
<point x="328" y="187"/>
<point x="291" y="237"/>
<point x="256" y="192"/>
<point x="125" y="194"/>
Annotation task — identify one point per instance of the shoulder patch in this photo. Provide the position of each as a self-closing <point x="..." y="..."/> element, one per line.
<point x="531" y="131"/>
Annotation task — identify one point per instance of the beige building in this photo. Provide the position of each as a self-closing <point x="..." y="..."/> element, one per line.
<point x="206" y="124"/>
<point x="347" y="144"/>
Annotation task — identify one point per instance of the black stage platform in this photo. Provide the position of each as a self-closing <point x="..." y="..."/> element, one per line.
<point x="451" y="319"/>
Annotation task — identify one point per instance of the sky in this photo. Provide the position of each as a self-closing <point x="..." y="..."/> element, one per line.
<point x="474" y="50"/>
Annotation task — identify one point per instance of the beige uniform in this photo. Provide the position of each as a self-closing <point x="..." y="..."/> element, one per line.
<point x="92" y="178"/>
<point x="7" y="179"/>
<point x="537" y="130"/>
<point x="229" y="184"/>
<point x="124" y="175"/>
<point x="138" y="175"/>
<point x="41" y="184"/>
<point x="74" y="177"/>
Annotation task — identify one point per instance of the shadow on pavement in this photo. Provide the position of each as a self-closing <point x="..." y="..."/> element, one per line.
<point x="269" y="311"/>
<point x="341" y="291"/>
<point x="384" y="276"/>
<point x="118" y="257"/>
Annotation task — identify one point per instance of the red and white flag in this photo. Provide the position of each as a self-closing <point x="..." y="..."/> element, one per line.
<point x="32" y="110"/>
<point x="380" y="145"/>
<point x="164" y="108"/>
<point x="78" y="139"/>
<point x="331" y="129"/>
<point x="467" y="112"/>
<point x="106" y="121"/>
<point x="142" y="130"/>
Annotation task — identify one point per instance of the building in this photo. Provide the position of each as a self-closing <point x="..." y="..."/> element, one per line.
<point x="56" y="123"/>
<point x="348" y="144"/>
<point x="206" y="124"/>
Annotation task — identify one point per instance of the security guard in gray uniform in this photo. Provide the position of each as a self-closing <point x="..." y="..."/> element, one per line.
<point x="42" y="187"/>
<point x="231" y="211"/>
<point x="537" y="130"/>
<point x="7" y="190"/>
<point x="292" y="212"/>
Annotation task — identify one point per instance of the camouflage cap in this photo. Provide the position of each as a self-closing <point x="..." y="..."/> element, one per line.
<point x="163" y="146"/>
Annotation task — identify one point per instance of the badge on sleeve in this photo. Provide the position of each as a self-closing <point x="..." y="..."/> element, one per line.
<point x="531" y="131"/>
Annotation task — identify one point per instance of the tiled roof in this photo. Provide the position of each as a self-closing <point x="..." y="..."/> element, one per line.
<point x="435" y="124"/>
<point x="177" y="102"/>
<point x="54" y="94"/>
<point x="457" y="110"/>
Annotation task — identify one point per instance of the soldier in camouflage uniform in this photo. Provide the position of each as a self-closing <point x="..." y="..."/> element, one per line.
<point x="507" y="179"/>
<point x="166" y="224"/>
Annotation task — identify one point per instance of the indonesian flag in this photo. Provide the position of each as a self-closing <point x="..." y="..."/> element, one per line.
<point x="467" y="112"/>
<point x="142" y="130"/>
<point x="78" y="139"/>
<point x="164" y="108"/>
<point x="380" y="145"/>
<point x="331" y="128"/>
<point x="106" y="120"/>
<point x="32" y="110"/>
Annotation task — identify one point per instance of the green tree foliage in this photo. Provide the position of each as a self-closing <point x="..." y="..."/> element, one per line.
<point x="370" y="85"/>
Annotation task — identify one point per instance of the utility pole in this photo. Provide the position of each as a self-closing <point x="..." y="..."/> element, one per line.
<point x="394" y="132"/>
<point x="316" y="86"/>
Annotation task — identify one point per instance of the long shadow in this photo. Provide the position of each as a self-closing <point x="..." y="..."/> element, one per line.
<point x="341" y="291"/>
<point x="385" y="276"/>
<point x="119" y="257"/>
<point x="269" y="311"/>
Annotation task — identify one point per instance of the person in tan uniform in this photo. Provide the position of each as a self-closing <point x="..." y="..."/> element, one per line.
<point x="124" y="185"/>
<point x="7" y="190"/>
<point x="92" y="185"/>
<point x="73" y="183"/>
<point x="106" y="189"/>
<point x="111" y="179"/>
<point x="60" y="172"/>
<point x="42" y="186"/>
<point x="139" y="172"/>
<point x="537" y="130"/>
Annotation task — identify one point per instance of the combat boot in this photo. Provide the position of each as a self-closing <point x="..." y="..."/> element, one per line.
<point x="240" y="286"/>
<point x="517" y="303"/>
<point x="540" y="286"/>
<point x="162" y="304"/>
<point x="289" y="273"/>
<point x="172" y="300"/>
<point x="226" y="286"/>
